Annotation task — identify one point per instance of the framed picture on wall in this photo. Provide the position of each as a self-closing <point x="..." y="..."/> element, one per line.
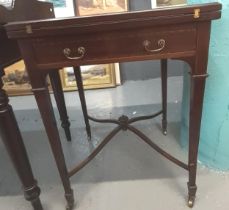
<point x="59" y="3"/>
<point x="112" y="76"/>
<point x="94" y="7"/>
<point x="16" y="81"/>
<point x="94" y="76"/>
<point x="159" y="3"/>
<point x="63" y="8"/>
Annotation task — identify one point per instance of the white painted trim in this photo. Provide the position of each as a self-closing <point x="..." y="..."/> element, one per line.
<point x="153" y="3"/>
<point x="67" y="11"/>
<point x="117" y="74"/>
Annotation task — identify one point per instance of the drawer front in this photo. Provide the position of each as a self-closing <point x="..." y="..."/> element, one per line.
<point x="114" y="46"/>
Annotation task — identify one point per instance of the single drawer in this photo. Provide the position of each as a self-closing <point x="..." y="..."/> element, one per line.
<point x="137" y="44"/>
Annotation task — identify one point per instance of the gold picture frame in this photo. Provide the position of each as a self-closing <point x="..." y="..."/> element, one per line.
<point x="16" y="81"/>
<point x="94" y="76"/>
<point x="94" y="7"/>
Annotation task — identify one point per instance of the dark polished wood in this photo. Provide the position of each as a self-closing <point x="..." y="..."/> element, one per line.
<point x="60" y="101"/>
<point x="168" y="33"/>
<point x="41" y="93"/>
<point x="77" y="72"/>
<point x="9" y="51"/>
<point x="45" y="107"/>
<point x="26" y="10"/>
<point x="198" y="77"/>
<point x="164" y="77"/>
<point x="9" y="54"/>
<point x="12" y="139"/>
<point x="9" y="131"/>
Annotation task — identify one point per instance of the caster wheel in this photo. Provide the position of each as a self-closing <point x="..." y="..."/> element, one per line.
<point x="165" y="133"/>
<point x="190" y="203"/>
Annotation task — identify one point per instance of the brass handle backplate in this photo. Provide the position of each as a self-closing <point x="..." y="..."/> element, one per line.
<point x="81" y="51"/>
<point x="161" y="44"/>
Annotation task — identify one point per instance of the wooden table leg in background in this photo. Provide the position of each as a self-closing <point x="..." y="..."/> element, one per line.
<point x="59" y="97"/>
<point x="164" y="76"/>
<point x="79" y="82"/>
<point x="12" y="139"/>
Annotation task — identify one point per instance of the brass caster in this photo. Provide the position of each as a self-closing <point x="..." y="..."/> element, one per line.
<point x="190" y="202"/>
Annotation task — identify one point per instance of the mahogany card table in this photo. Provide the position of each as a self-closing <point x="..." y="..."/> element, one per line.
<point x="179" y="32"/>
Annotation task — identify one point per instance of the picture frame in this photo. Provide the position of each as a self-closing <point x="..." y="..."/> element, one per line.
<point x="16" y="81"/>
<point x="63" y="8"/>
<point x="59" y="3"/>
<point x="161" y="3"/>
<point x="94" y="76"/>
<point x="95" y="7"/>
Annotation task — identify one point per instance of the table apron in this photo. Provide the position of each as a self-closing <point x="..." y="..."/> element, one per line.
<point x="175" y="41"/>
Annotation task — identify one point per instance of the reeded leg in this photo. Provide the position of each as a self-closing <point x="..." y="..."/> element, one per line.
<point x="12" y="139"/>
<point x="45" y="107"/>
<point x="59" y="97"/>
<point x="164" y="76"/>
<point x="79" y="81"/>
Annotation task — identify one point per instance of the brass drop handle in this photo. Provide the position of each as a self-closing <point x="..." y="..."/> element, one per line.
<point x="81" y="51"/>
<point x="161" y="44"/>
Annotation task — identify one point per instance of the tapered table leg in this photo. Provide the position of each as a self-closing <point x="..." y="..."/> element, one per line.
<point x="197" y="94"/>
<point x="198" y="77"/>
<point x="59" y="97"/>
<point x="164" y="76"/>
<point x="12" y="139"/>
<point x="45" y="107"/>
<point x="79" y="82"/>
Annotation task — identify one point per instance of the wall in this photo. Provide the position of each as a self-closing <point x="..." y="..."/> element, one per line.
<point x="149" y="69"/>
<point x="214" y="138"/>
